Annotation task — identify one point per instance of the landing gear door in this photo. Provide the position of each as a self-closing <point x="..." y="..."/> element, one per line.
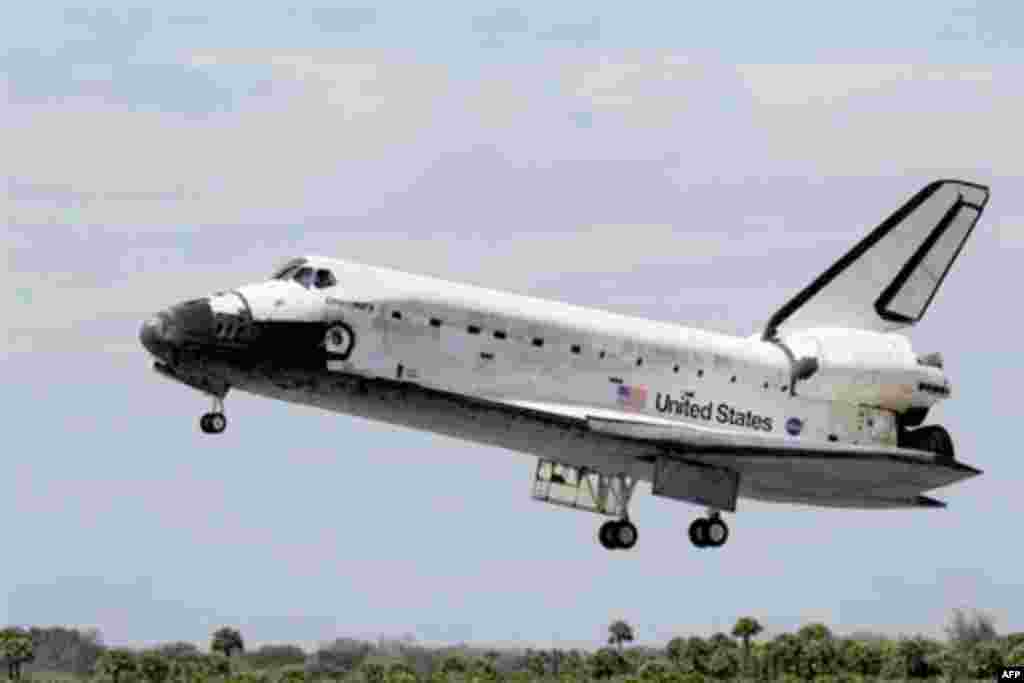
<point x="697" y="483"/>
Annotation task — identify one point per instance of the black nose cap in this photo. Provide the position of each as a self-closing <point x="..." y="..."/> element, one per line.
<point x="191" y="321"/>
<point x="187" y="323"/>
<point x="152" y="335"/>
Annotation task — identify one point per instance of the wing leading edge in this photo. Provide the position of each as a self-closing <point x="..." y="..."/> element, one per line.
<point x="888" y="280"/>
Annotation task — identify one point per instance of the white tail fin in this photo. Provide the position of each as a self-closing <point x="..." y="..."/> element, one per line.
<point x="888" y="280"/>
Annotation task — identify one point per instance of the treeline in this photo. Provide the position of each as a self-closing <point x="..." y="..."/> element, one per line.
<point x="973" y="650"/>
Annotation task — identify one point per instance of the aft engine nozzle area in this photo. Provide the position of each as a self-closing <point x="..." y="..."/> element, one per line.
<point x="865" y="367"/>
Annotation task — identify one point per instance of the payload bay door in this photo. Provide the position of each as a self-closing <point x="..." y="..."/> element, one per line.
<point x="697" y="483"/>
<point x="582" y="489"/>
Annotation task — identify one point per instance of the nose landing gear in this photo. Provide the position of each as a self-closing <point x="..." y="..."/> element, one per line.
<point x="214" y="422"/>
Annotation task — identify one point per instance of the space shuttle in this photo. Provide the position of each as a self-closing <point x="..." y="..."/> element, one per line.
<point x="824" y="407"/>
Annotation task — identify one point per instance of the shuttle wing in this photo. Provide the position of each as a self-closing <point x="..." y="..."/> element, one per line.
<point x="888" y="280"/>
<point x="779" y="467"/>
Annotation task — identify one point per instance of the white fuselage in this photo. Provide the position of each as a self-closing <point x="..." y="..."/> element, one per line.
<point x="509" y="348"/>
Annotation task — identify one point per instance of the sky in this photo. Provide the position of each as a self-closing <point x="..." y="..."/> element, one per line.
<point x="693" y="163"/>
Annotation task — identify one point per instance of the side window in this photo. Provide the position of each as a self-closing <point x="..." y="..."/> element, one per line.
<point x="304" y="277"/>
<point x="325" y="278"/>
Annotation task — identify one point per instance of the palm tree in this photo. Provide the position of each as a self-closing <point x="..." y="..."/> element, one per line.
<point x="227" y="640"/>
<point x="619" y="632"/>
<point x="675" y="651"/>
<point x="745" y="629"/>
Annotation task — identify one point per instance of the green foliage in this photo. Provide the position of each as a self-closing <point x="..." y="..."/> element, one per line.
<point x="16" y="649"/>
<point x="154" y="667"/>
<point x="817" y="658"/>
<point x="482" y="669"/>
<point x="117" y="663"/>
<point x="653" y="671"/>
<point x="674" y="651"/>
<point x="179" y="650"/>
<point x="337" y="658"/>
<point x="860" y="657"/>
<point x="275" y="656"/>
<point x="608" y="662"/>
<point x="690" y="655"/>
<point x="453" y="664"/>
<point x="535" y="662"/>
<point x="692" y="677"/>
<point x="724" y="663"/>
<point x="985" y="660"/>
<point x="217" y="664"/>
<point x="400" y="673"/>
<point x="294" y="673"/>
<point x="248" y="677"/>
<point x="814" y="631"/>
<point x="372" y="672"/>
<point x="721" y="640"/>
<point x="227" y="640"/>
<point x="810" y="655"/>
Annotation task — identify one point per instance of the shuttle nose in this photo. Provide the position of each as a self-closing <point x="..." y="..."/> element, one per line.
<point x="190" y="323"/>
<point x="152" y="334"/>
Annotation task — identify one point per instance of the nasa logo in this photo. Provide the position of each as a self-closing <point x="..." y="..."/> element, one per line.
<point x="794" y="426"/>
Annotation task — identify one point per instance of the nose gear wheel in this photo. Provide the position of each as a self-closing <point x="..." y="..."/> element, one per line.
<point x="214" y="422"/>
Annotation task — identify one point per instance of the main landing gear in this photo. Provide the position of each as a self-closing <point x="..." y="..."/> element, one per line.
<point x="618" y="534"/>
<point x="709" y="532"/>
<point x="214" y="422"/>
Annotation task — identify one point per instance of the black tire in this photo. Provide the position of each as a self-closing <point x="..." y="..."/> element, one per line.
<point x="606" y="535"/>
<point x="699" y="532"/>
<point x="213" y="423"/>
<point x="625" y="535"/>
<point x="218" y="423"/>
<point x="716" y="533"/>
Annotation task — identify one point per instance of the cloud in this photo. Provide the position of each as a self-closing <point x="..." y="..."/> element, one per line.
<point x="125" y="609"/>
<point x="644" y="89"/>
<point x="888" y="119"/>
<point x="930" y="601"/>
<point x="1010" y="232"/>
<point x="579" y="33"/>
<point x="500" y="23"/>
<point x="326" y="112"/>
<point x="115" y="33"/>
<point x="826" y="84"/>
<point x="343" y="19"/>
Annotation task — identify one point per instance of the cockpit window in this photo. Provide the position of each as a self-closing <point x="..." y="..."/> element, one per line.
<point x="324" y="278"/>
<point x="286" y="274"/>
<point x="304" y="277"/>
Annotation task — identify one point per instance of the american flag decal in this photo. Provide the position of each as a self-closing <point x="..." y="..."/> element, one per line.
<point x="634" y="398"/>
